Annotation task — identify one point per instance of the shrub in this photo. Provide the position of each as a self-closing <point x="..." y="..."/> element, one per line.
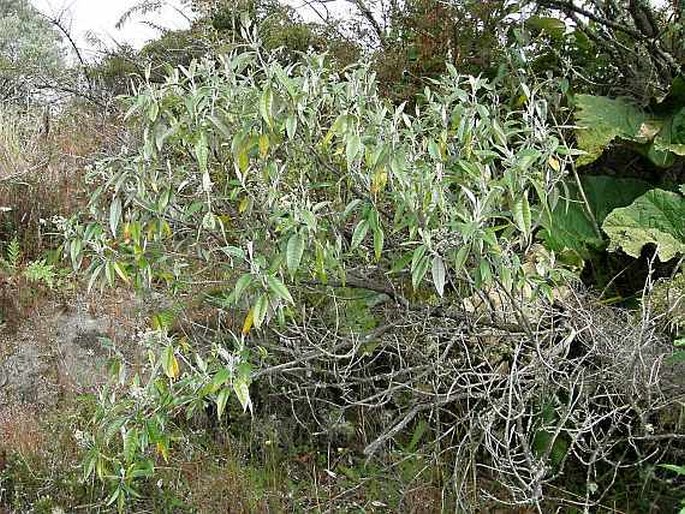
<point x="372" y="268"/>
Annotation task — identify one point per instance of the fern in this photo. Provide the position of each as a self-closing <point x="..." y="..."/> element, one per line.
<point x="40" y="271"/>
<point x="164" y="320"/>
<point x="14" y="253"/>
<point x="13" y="256"/>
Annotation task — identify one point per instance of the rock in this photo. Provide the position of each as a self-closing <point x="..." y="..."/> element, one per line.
<point x="56" y="352"/>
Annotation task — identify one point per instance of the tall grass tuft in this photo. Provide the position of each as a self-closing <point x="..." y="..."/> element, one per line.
<point x="42" y="162"/>
<point x="20" y="140"/>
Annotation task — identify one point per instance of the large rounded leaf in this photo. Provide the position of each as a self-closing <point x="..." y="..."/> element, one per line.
<point x="656" y="217"/>
<point x="571" y="228"/>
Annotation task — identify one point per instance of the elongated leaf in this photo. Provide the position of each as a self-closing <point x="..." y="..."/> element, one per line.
<point x="170" y="363"/>
<point x="202" y="152"/>
<point x="352" y="149"/>
<point x="241" y="387"/>
<point x="419" y="271"/>
<point x="115" y="215"/>
<point x="220" y="378"/>
<point x="266" y="106"/>
<point x="521" y="213"/>
<point x="259" y="309"/>
<point x="291" y="126"/>
<point x="293" y="252"/>
<point x="209" y="221"/>
<point x="279" y="289"/>
<point x="439" y="274"/>
<point x="378" y="242"/>
<point x="680" y="470"/>
<point x="249" y="321"/>
<point x="242" y="284"/>
<point x="221" y="400"/>
<point x="460" y="260"/>
<point x="359" y="233"/>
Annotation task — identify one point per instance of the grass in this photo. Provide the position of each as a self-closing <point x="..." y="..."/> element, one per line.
<point x="41" y="171"/>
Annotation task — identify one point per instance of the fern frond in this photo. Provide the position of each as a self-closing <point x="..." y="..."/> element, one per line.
<point x="41" y="271"/>
<point x="164" y="320"/>
<point x="13" y="254"/>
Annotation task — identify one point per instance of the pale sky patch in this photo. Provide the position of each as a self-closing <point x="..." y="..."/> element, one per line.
<point x="101" y="16"/>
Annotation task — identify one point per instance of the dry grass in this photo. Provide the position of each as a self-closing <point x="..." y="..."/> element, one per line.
<point x="42" y="167"/>
<point x="20" y="432"/>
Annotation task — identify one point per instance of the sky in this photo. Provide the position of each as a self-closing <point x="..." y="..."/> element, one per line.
<point x="101" y="16"/>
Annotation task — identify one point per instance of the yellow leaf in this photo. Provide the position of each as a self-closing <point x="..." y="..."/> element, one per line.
<point x="174" y="369"/>
<point x="166" y="229"/>
<point x="263" y="145"/>
<point x="244" y="204"/>
<point x="554" y="164"/>
<point x="163" y="451"/>
<point x="379" y="181"/>
<point x="243" y="161"/>
<point x="170" y="363"/>
<point x="249" y="320"/>
<point x="120" y="271"/>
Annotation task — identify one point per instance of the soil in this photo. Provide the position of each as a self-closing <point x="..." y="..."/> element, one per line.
<point x="58" y="352"/>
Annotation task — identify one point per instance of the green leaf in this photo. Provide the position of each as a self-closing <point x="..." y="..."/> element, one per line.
<point x="259" y="309"/>
<point x="279" y="289"/>
<point x="114" y="496"/>
<point x="676" y="357"/>
<point x="169" y="362"/>
<point x="221" y="400"/>
<point x="241" y="284"/>
<point x="220" y="378"/>
<point x="75" y="248"/>
<point x="460" y="260"/>
<point x="521" y="213"/>
<point x="352" y="149"/>
<point x="671" y="138"/>
<point x="680" y="470"/>
<point x="293" y="252"/>
<point x="571" y="228"/>
<point x="115" y="215"/>
<point x="378" y="242"/>
<point x="553" y="27"/>
<point x="439" y="274"/>
<point x="484" y="273"/>
<point x="419" y="270"/>
<point x="209" y="221"/>
<point x="359" y="233"/>
<point x="659" y="132"/>
<point x="601" y="120"/>
<point x="241" y="387"/>
<point x="291" y="126"/>
<point x="94" y="276"/>
<point x="266" y="102"/>
<point x="655" y="217"/>
<point x="202" y="152"/>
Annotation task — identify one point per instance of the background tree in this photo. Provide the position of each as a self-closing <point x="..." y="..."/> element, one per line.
<point x="32" y="58"/>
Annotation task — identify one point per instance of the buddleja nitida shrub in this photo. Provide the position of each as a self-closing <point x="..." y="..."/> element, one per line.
<point x="260" y="179"/>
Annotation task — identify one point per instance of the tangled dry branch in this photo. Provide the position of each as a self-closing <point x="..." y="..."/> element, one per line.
<point x="516" y="406"/>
